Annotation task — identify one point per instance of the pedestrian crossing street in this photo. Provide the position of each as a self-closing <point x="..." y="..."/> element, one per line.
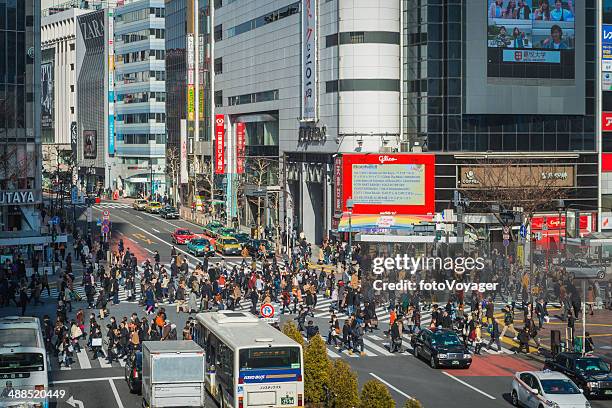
<point x="83" y="361"/>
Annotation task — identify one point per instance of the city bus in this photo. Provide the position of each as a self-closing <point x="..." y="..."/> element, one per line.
<point x="24" y="368"/>
<point x="248" y="362"/>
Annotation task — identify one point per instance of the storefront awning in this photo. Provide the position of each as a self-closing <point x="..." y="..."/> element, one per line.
<point x="374" y="222"/>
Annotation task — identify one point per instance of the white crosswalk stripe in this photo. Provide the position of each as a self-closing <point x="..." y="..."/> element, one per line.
<point x="106" y="205"/>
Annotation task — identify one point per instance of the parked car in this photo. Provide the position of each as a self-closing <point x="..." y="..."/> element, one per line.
<point x="228" y="245"/>
<point x="140" y="205"/>
<point x="590" y="373"/>
<point x="133" y="372"/>
<point x="242" y="238"/>
<point x="253" y="246"/>
<point x="200" y="247"/>
<point x="153" y="207"/>
<point x="441" y="347"/>
<point x="545" y="389"/>
<point x="169" y="213"/>
<point x="181" y="236"/>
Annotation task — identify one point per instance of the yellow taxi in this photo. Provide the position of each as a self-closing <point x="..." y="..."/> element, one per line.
<point x="228" y="245"/>
<point x="153" y="207"/>
<point x="140" y="205"/>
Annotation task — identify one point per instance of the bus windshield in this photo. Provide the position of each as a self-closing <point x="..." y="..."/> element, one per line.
<point x="18" y="362"/>
<point x="270" y="358"/>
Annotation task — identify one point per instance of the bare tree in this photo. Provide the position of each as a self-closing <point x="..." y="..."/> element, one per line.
<point x="173" y="169"/>
<point x="259" y="172"/>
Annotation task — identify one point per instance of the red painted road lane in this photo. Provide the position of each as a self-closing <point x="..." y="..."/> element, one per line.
<point x="494" y="366"/>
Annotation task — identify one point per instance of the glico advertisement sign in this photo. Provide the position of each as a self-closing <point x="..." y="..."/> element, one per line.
<point x="389" y="183"/>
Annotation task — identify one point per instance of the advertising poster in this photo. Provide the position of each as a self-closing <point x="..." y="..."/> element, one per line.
<point x="531" y="32"/>
<point x="240" y="147"/>
<point x="393" y="183"/>
<point x="219" y="144"/>
<point x="111" y="84"/>
<point x="47" y="95"/>
<point x="90" y="143"/>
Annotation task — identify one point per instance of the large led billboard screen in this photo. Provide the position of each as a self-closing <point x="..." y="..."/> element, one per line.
<point x="531" y="38"/>
<point x="394" y="183"/>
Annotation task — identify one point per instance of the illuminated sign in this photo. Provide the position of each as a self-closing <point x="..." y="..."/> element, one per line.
<point x="219" y="144"/>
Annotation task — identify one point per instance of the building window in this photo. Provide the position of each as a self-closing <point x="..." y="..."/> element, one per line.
<point x="72" y="47"/>
<point x="218" y="99"/>
<point x="219" y="65"/>
<point x="219" y="32"/>
<point x="72" y="67"/>
<point x="331" y="86"/>
<point x="72" y="110"/>
<point x="331" y="40"/>
<point x="71" y="88"/>
<point x="262" y="20"/>
<point x="256" y="97"/>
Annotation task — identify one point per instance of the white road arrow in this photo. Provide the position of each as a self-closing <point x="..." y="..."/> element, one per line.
<point x="75" y="403"/>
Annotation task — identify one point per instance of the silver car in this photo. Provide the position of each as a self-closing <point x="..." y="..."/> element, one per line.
<point x="546" y="389"/>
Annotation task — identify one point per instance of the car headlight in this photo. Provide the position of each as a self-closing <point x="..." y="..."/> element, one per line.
<point x="593" y="384"/>
<point x="552" y="404"/>
<point x="442" y="356"/>
<point x="468" y="355"/>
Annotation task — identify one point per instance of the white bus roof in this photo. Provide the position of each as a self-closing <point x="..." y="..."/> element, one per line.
<point x="20" y="332"/>
<point x="241" y="330"/>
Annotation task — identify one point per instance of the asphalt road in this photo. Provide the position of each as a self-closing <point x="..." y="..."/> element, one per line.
<point x="98" y="384"/>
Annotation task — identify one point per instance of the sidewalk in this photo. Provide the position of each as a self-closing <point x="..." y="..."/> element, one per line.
<point x="599" y="326"/>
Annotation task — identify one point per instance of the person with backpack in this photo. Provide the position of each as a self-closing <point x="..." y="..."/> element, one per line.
<point x="508" y="322"/>
<point x="494" y="332"/>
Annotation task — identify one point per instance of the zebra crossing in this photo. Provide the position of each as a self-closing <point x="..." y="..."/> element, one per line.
<point x="106" y="205"/>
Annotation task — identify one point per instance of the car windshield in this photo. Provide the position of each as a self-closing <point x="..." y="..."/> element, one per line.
<point x="559" y="386"/>
<point x="170" y="209"/>
<point x="155" y="204"/>
<point x="199" y="242"/>
<point x="445" y="339"/>
<point x="242" y="237"/>
<point x="183" y="232"/>
<point x="230" y="241"/>
<point x="592" y="365"/>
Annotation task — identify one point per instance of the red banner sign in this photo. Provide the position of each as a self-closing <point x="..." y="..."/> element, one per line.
<point x="240" y="147"/>
<point x="606" y="162"/>
<point x="552" y="223"/>
<point x="606" y="121"/>
<point x="219" y="144"/>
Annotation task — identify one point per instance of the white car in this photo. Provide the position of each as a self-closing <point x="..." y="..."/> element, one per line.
<point x="546" y="389"/>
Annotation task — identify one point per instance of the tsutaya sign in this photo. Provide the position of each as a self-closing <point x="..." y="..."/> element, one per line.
<point x="18" y="197"/>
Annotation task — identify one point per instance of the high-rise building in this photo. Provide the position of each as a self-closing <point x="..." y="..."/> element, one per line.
<point x="299" y="82"/>
<point x="58" y="87"/>
<point x="188" y="98"/>
<point x="140" y="93"/>
<point x="20" y="130"/>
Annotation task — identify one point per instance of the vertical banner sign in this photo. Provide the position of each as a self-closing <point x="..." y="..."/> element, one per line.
<point x="338" y="185"/>
<point x="47" y="99"/>
<point x="240" y="147"/>
<point x="606" y="121"/>
<point x="111" y="84"/>
<point x="73" y="137"/>
<point x="190" y="78"/>
<point x="606" y="53"/>
<point x="184" y="178"/>
<point x="219" y="144"/>
<point x="309" y="69"/>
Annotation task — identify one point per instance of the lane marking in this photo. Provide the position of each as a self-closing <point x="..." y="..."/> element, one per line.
<point x="148" y="250"/>
<point x="156" y="230"/>
<point x="468" y="385"/>
<point x="80" y="380"/>
<point x="117" y="398"/>
<point x="83" y="359"/>
<point x="400" y="392"/>
<point x="103" y="363"/>
<point x="376" y="348"/>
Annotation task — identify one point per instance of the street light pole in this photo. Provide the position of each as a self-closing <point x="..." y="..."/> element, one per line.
<point x="560" y="206"/>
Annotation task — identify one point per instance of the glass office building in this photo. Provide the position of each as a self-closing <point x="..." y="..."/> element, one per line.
<point x="479" y="82"/>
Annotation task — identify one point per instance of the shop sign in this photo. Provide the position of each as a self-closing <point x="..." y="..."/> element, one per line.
<point x="18" y="197"/>
<point x="481" y="176"/>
